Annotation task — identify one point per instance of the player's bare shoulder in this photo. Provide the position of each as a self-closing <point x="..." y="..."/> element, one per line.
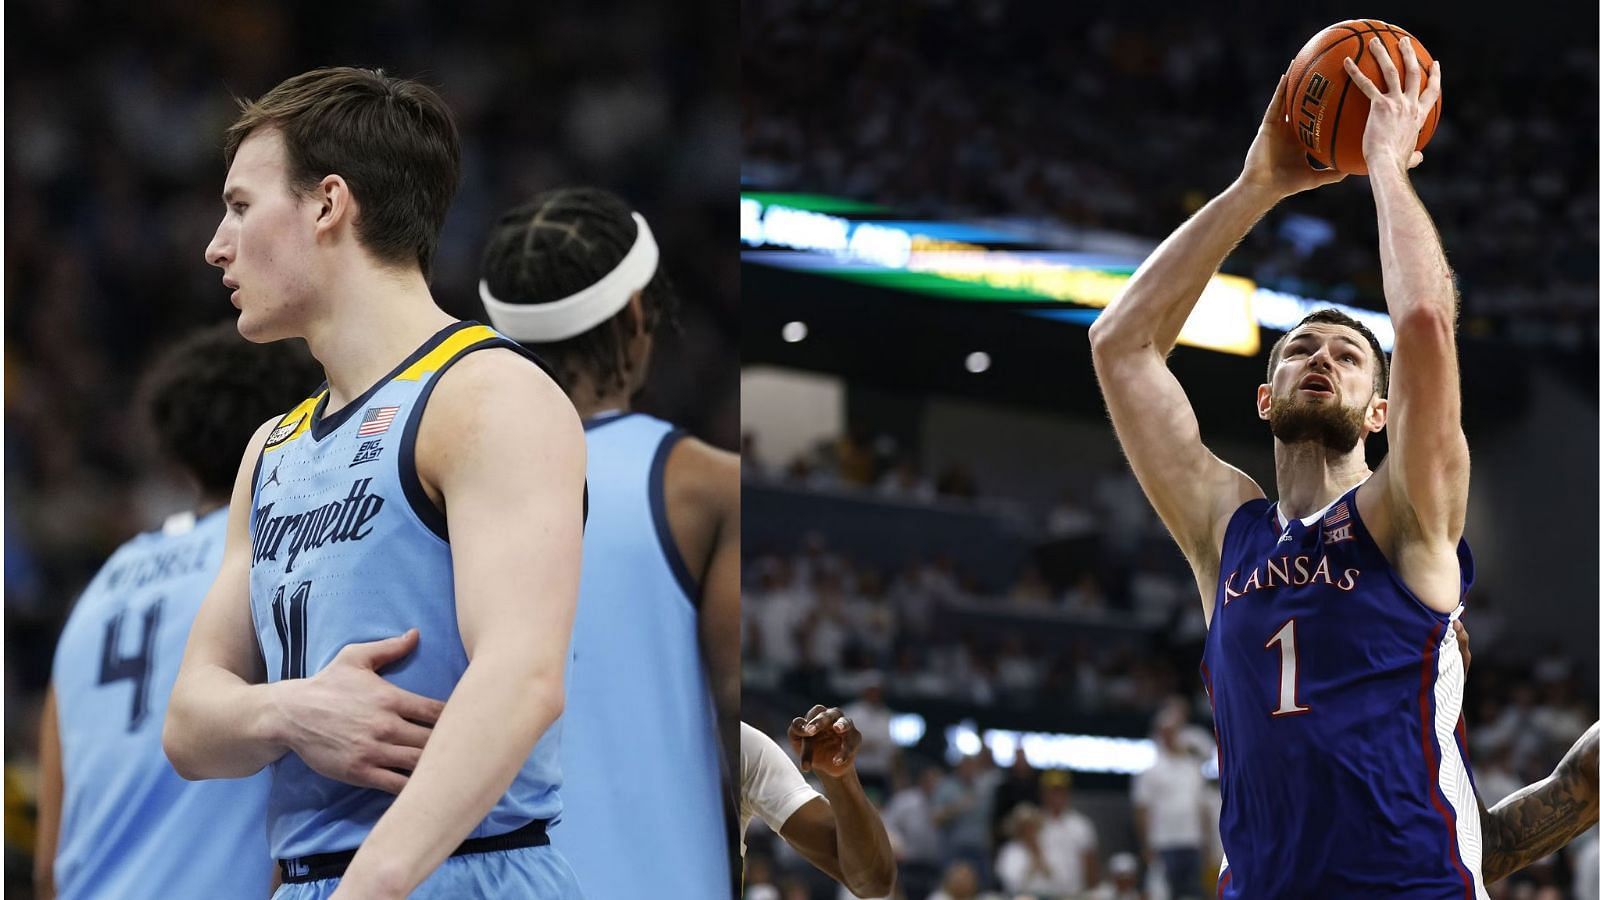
<point x="700" y="487"/>
<point x="494" y="394"/>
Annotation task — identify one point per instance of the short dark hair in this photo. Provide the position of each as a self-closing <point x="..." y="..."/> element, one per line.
<point x="559" y="243"/>
<point x="1334" y="317"/>
<point x="204" y="396"/>
<point x="392" y="140"/>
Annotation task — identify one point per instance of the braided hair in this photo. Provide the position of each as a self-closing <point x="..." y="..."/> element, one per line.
<point x="559" y="243"/>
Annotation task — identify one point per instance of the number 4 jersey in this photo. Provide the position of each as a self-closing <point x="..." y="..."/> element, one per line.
<point x="130" y="826"/>
<point x="347" y="548"/>
<point x="1337" y="700"/>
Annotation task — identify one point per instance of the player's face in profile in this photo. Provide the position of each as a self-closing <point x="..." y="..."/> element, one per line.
<point x="1323" y="388"/>
<point x="264" y="241"/>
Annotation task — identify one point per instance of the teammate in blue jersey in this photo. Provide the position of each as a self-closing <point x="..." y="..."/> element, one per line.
<point x="575" y="275"/>
<point x="1333" y="674"/>
<point x="114" y="819"/>
<point x="421" y="515"/>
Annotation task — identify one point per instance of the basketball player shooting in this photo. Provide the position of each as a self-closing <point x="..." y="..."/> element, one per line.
<point x="1333" y="674"/>
<point x="422" y="514"/>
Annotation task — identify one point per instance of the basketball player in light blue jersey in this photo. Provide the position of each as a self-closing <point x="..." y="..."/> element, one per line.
<point x="421" y="514"/>
<point x="575" y="275"/>
<point x="114" y="819"/>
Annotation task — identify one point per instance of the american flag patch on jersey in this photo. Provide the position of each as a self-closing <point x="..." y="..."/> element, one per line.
<point x="1338" y="514"/>
<point x="376" y="421"/>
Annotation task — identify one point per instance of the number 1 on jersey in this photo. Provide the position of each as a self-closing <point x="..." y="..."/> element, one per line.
<point x="1288" y="672"/>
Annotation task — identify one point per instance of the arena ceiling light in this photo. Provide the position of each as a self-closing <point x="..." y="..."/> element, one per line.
<point x="795" y="332"/>
<point x="978" y="362"/>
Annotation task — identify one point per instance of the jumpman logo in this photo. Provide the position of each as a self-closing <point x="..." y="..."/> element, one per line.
<point x="273" y="478"/>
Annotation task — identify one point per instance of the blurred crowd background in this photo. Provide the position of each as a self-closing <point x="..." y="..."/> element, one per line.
<point x="114" y="117"/>
<point x="1129" y="116"/>
<point x="949" y="557"/>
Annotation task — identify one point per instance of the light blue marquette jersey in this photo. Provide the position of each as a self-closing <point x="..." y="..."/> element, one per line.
<point x="130" y="826"/>
<point x="347" y="548"/>
<point x="639" y="744"/>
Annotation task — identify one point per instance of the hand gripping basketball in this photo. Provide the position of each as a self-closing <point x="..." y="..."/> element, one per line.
<point x="1399" y="111"/>
<point x="1276" y="164"/>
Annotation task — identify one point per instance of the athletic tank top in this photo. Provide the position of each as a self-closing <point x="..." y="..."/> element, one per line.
<point x="635" y="659"/>
<point x="130" y="826"/>
<point x="347" y="548"/>
<point x="1337" y="701"/>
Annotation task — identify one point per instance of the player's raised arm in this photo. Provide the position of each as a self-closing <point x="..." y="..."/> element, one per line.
<point x="844" y="835"/>
<point x="346" y="722"/>
<point x="1425" y="477"/>
<point x="1544" y="816"/>
<point x="513" y="484"/>
<point x="1189" y="487"/>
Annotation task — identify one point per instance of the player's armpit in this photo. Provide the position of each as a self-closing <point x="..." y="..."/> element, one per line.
<point x="1544" y="816"/>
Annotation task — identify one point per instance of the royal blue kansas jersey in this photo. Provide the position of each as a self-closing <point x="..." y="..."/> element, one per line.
<point x="1337" y="700"/>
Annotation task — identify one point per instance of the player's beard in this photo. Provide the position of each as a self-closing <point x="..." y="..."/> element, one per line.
<point x="1295" y="420"/>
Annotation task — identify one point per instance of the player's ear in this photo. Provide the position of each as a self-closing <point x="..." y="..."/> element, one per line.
<point x="1263" y="401"/>
<point x="334" y="203"/>
<point x="1377" y="414"/>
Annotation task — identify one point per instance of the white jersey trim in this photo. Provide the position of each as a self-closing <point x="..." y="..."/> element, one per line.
<point x="1454" y="783"/>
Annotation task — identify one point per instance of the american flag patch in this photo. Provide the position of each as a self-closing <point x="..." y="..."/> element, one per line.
<point x="1339" y="514"/>
<point x="376" y="421"/>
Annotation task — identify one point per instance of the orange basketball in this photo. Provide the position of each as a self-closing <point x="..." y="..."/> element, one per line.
<point x="1325" y="112"/>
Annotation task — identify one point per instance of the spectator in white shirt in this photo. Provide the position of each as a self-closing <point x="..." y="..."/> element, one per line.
<point x="910" y="816"/>
<point x="875" y="758"/>
<point x="1067" y="837"/>
<point x="1169" y="806"/>
<point x="1021" y="864"/>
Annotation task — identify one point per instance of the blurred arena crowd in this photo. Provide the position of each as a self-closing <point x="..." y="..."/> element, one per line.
<point x="1128" y="117"/>
<point x="114" y="169"/>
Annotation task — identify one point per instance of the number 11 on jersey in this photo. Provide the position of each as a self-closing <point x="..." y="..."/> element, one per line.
<point x="1288" y="673"/>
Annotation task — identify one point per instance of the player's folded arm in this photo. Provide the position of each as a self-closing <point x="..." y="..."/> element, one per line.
<point x="218" y="717"/>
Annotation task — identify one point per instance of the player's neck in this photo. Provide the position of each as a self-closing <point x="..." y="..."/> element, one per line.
<point x="1310" y="475"/>
<point x="590" y="401"/>
<point x="368" y="322"/>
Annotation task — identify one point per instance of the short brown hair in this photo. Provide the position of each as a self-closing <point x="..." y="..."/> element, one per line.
<point x="1334" y="317"/>
<point x="392" y="140"/>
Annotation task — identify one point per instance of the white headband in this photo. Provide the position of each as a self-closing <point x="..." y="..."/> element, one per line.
<point x="571" y="316"/>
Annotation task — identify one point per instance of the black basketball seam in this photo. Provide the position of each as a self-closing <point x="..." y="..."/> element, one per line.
<point x="1338" y="112"/>
<point x="1312" y="64"/>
